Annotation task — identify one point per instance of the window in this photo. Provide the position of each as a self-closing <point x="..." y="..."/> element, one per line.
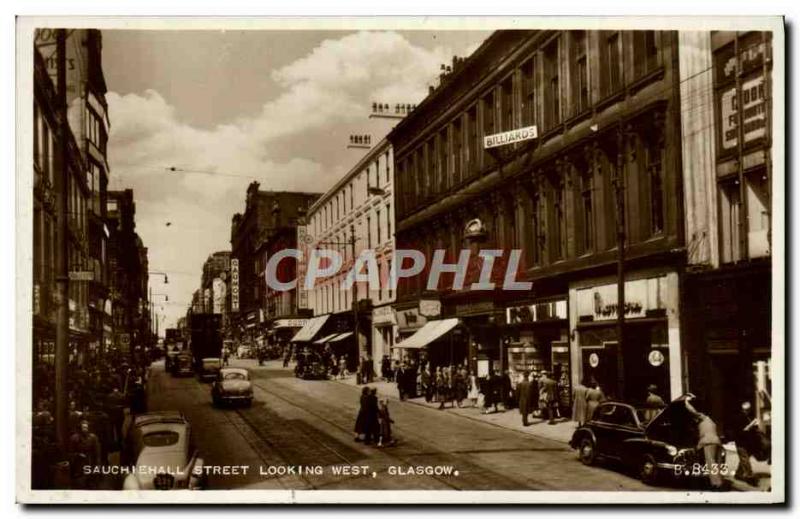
<point x="587" y="209"/>
<point x="580" y="73"/>
<point x="645" y="53"/>
<point x="656" y="181"/>
<point x="758" y="217"/>
<point x="611" y="62"/>
<point x="388" y="223"/>
<point x="472" y="144"/>
<point x="369" y="232"/>
<point x="378" y="226"/>
<point x="432" y="174"/>
<point x="552" y="85"/>
<point x="559" y="224"/>
<point x="729" y="208"/>
<point x="536" y="235"/>
<point x="529" y="113"/>
<point x="443" y="165"/>
<point x="457" y="150"/>
<point x="386" y="161"/>
<point x="507" y="104"/>
<point x="352" y="204"/>
<point x="489" y="123"/>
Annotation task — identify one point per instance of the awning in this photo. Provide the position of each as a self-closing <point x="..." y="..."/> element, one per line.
<point x="312" y="328"/>
<point x="325" y="339"/>
<point x="428" y="333"/>
<point x="341" y="337"/>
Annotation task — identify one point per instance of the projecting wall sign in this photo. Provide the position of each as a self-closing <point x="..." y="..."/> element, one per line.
<point x="510" y="137"/>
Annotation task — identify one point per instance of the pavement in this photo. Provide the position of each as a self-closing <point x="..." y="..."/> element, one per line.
<point x="560" y="431"/>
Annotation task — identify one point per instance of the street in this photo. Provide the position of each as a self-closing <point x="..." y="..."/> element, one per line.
<point x="300" y="425"/>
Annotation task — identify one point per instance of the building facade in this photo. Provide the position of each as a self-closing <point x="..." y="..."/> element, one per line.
<point x="728" y="171"/>
<point x="356" y="215"/>
<point x="128" y="278"/>
<point x="606" y="111"/>
<point x="267" y="216"/>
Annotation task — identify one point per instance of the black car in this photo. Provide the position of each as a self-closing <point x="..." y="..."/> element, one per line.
<point x="664" y="447"/>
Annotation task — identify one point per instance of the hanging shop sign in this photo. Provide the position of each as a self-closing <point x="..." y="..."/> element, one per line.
<point x="510" y="137"/>
<point x="234" y="285"/>
<point x="594" y="360"/>
<point x="430" y="307"/>
<point x="410" y="319"/>
<point x="655" y="358"/>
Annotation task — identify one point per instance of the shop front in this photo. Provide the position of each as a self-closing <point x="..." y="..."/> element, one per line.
<point x="384" y="324"/>
<point x="536" y="338"/>
<point x="482" y="343"/>
<point x="409" y="321"/>
<point x="650" y="352"/>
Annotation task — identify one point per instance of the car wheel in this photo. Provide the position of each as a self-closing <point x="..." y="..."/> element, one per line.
<point x="648" y="470"/>
<point x="586" y="451"/>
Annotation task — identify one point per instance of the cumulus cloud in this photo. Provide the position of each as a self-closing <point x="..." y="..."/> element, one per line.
<point x="295" y="142"/>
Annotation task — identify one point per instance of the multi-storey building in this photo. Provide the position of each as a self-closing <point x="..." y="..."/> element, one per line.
<point x="88" y="124"/>
<point x="128" y="278"/>
<point x="607" y="116"/>
<point x="727" y="173"/>
<point x="355" y="215"/>
<point x="216" y="273"/>
<point x="267" y="213"/>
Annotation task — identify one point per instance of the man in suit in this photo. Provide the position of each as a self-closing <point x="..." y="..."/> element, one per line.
<point x="525" y="397"/>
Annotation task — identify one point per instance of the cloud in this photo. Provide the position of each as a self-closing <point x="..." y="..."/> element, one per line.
<point x="295" y="142"/>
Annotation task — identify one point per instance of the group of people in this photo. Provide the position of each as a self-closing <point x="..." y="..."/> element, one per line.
<point x="373" y="422"/>
<point x="99" y="394"/>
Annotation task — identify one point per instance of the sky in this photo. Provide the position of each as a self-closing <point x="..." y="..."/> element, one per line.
<point x="230" y="107"/>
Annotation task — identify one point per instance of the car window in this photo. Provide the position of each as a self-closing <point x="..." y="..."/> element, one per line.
<point x="234" y="376"/>
<point x="160" y="438"/>
<point x="616" y="414"/>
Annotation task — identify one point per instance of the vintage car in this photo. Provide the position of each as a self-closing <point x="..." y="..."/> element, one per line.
<point x="169" y="360"/>
<point x="663" y="447"/>
<point x="310" y="366"/>
<point x="183" y="365"/>
<point x="208" y="368"/>
<point x="160" y="451"/>
<point x="232" y="385"/>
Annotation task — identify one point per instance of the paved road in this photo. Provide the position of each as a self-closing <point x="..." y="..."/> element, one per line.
<point x="305" y="427"/>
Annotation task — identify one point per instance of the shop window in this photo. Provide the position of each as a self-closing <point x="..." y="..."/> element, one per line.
<point x="579" y="72"/>
<point x="529" y="114"/>
<point x="645" y="53"/>
<point x="552" y="86"/>
<point x="758" y="217"/>
<point x="611" y="62"/>
<point x="729" y="208"/>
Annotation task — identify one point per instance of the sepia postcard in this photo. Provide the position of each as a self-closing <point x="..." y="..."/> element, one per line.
<point x="401" y="260"/>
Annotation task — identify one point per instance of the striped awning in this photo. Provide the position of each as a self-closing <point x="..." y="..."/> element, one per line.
<point x="428" y="333"/>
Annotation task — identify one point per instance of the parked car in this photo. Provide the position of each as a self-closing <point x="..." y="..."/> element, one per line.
<point x="208" y="368"/>
<point x="232" y="385"/>
<point x="244" y="352"/>
<point x="169" y="360"/>
<point x="162" y="439"/>
<point x="183" y="365"/>
<point x="666" y="446"/>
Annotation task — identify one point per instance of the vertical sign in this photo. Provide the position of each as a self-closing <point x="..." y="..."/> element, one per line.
<point x="302" y="242"/>
<point x="234" y="284"/>
<point x="218" y="295"/>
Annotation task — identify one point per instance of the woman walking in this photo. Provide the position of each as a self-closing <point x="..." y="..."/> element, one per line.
<point x="360" y="428"/>
<point x="472" y="388"/>
<point x="594" y="395"/>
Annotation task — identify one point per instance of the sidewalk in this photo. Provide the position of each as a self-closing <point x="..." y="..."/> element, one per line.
<point x="561" y="431"/>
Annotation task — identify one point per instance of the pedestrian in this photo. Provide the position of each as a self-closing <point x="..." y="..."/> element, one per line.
<point x="653" y="403"/>
<point x="564" y="394"/>
<point x="360" y="428"/>
<point x="489" y="392"/>
<point x="426" y="384"/>
<point x="440" y="386"/>
<point x="710" y="443"/>
<point x="460" y="385"/>
<point x="84" y="451"/>
<point x="594" y="395"/>
<point x="507" y="395"/>
<point x="386" y="422"/>
<point x="386" y="368"/>
<point x="343" y="367"/>
<point x="547" y="397"/>
<point x="579" y="402"/>
<point x="115" y="404"/>
<point x="225" y="355"/>
<point x="744" y="431"/>
<point x="472" y="388"/>
<point x="525" y="396"/>
<point x="371" y="423"/>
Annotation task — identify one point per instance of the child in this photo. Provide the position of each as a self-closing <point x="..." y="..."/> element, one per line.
<point x="343" y="367"/>
<point x="385" y="437"/>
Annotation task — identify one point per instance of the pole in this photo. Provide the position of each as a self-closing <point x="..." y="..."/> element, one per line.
<point x="62" y="275"/>
<point x="619" y="191"/>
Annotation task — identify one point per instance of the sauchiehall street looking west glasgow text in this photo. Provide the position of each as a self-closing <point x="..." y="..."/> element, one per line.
<point x="551" y="271"/>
